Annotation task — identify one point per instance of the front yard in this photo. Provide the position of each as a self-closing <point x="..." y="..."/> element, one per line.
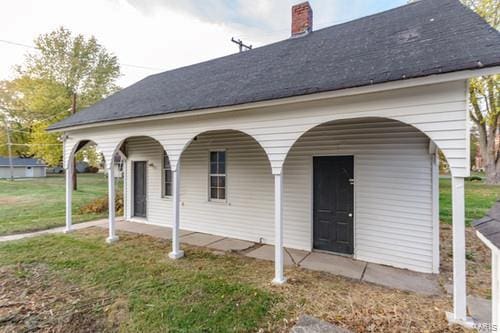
<point x="77" y="283"/>
<point x="38" y="203"/>
<point x="479" y="198"/>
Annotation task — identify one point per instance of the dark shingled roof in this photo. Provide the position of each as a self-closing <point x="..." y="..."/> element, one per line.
<point x="489" y="225"/>
<point x="20" y="161"/>
<point x="419" y="39"/>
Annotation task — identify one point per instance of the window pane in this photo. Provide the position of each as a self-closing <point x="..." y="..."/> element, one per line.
<point x="213" y="193"/>
<point x="222" y="193"/>
<point x="213" y="156"/>
<point x="168" y="189"/>
<point x="213" y="167"/>
<point x="222" y="156"/>
<point x="213" y="181"/>
<point x="222" y="182"/>
<point x="222" y="168"/>
<point x="168" y="176"/>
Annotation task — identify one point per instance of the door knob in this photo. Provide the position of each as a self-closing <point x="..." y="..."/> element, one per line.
<point x="350" y="214"/>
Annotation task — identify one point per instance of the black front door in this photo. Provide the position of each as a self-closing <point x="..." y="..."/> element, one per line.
<point x="139" y="188"/>
<point x="333" y="204"/>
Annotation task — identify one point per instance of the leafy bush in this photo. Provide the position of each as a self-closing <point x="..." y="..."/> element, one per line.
<point x="100" y="205"/>
<point x="92" y="169"/>
<point x="474" y="179"/>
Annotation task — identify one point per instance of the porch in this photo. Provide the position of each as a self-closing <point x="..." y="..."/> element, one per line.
<point x="401" y="279"/>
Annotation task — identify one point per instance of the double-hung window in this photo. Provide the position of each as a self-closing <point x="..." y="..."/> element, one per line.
<point x="167" y="176"/>
<point x="217" y="175"/>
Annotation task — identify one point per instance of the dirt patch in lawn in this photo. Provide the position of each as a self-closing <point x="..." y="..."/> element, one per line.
<point x="35" y="299"/>
<point x="478" y="258"/>
<point x="8" y="200"/>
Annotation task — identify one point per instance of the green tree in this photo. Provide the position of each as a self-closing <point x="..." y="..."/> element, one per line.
<point x="18" y="134"/>
<point x="66" y="73"/>
<point x="485" y="99"/>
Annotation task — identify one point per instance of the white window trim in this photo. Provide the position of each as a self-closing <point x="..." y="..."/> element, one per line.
<point x="210" y="199"/>
<point x="163" y="195"/>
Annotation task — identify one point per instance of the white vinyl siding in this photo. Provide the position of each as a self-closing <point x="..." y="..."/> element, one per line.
<point x="393" y="197"/>
<point x="248" y="211"/>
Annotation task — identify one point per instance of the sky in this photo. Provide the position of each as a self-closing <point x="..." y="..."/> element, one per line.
<point x="151" y="36"/>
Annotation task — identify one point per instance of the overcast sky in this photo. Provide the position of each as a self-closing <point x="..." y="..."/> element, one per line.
<point x="164" y="34"/>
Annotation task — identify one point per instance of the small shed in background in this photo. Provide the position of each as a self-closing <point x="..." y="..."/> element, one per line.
<point x="488" y="230"/>
<point x="22" y="167"/>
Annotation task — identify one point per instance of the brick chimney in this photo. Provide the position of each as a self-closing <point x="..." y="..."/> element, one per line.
<point x="302" y="19"/>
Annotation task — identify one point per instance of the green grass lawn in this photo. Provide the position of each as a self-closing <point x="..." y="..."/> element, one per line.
<point x="78" y="283"/>
<point x="479" y="198"/>
<point x="36" y="204"/>
<point x="157" y="294"/>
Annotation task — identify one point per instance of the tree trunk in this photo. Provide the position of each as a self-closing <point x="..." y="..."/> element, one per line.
<point x="488" y="123"/>
<point x="492" y="161"/>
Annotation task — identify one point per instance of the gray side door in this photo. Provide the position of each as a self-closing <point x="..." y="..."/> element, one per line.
<point x="140" y="188"/>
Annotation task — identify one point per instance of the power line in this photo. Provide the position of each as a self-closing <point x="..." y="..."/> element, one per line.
<point x="17" y="44"/>
<point x="14" y="130"/>
<point x="9" y="42"/>
<point x="31" y="144"/>
<point x="142" y="67"/>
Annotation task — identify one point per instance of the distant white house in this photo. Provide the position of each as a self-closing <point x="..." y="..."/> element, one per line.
<point x="22" y="167"/>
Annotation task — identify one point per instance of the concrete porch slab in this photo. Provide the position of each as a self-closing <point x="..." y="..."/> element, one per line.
<point x="266" y="252"/>
<point x="150" y="230"/>
<point x="479" y="308"/>
<point x="403" y="279"/>
<point x="200" y="239"/>
<point x="229" y="244"/>
<point x="297" y="255"/>
<point x="143" y="228"/>
<point x="337" y="265"/>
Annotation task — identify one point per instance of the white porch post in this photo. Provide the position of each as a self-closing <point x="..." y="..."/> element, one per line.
<point x="69" y="193"/>
<point x="278" y="230"/>
<point x="124" y="185"/>
<point x="176" y="251"/>
<point x="111" y="204"/>
<point x="495" y="288"/>
<point x="458" y="217"/>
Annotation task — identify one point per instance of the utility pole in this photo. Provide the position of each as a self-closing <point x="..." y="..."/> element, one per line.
<point x="9" y="147"/>
<point x="73" y="111"/>
<point x="241" y="45"/>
